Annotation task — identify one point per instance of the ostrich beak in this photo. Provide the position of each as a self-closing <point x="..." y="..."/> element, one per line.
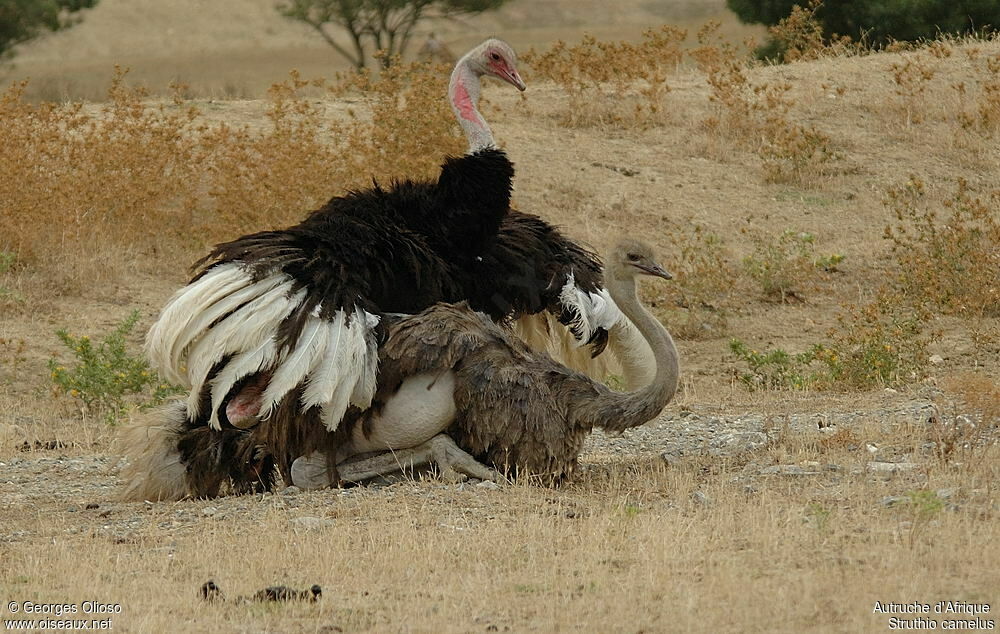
<point x="654" y="269"/>
<point x="511" y="76"/>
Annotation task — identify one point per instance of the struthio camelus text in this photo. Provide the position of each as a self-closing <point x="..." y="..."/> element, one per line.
<point x="447" y="375"/>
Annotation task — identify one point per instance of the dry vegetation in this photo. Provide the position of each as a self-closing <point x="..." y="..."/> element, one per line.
<point x="837" y="216"/>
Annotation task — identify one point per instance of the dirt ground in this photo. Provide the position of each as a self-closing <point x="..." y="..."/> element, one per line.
<point x="777" y="511"/>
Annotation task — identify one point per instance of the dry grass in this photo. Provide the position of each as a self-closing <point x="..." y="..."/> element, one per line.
<point x="103" y="206"/>
<point x="610" y="553"/>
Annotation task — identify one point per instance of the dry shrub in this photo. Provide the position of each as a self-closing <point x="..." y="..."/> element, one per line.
<point x="411" y="127"/>
<point x="787" y="265"/>
<point x="757" y="115"/>
<point x="800" y="36"/>
<point x="74" y="185"/>
<point x="946" y="247"/>
<point x="80" y="190"/>
<point x="262" y="180"/>
<point x="875" y="344"/>
<point x="981" y="394"/>
<point x="612" y="83"/>
<point x="979" y="112"/>
<point x="697" y="301"/>
<point x="270" y="179"/>
<point x="911" y="76"/>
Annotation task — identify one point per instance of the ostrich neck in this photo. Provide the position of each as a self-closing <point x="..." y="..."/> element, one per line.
<point x="617" y="412"/>
<point x="463" y="94"/>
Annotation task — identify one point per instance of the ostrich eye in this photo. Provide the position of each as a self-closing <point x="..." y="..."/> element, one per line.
<point x="632" y="257"/>
<point x="495" y="56"/>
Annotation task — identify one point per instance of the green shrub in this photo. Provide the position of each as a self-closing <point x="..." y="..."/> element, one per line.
<point x="106" y="374"/>
<point x="774" y="369"/>
<point x="786" y="265"/>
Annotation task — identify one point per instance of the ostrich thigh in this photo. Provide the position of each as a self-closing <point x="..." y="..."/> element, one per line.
<point x="422" y="408"/>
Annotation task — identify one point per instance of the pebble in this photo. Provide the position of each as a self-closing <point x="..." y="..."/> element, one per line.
<point x="891" y="467"/>
<point x="308" y="522"/>
<point x="209" y="511"/>
<point x="488" y="485"/>
<point x="699" y="497"/>
<point x="788" y="469"/>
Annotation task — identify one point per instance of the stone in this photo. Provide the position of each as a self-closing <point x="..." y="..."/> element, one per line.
<point x="891" y="467"/>
<point x="788" y="469"/>
<point x="699" y="497"/>
<point x="488" y="485"/>
<point x="310" y="523"/>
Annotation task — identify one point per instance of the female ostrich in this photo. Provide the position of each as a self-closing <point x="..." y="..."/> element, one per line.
<point x="447" y="375"/>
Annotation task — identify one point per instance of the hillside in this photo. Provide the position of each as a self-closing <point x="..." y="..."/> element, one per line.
<point x="238" y="48"/>
<point x="790" y="501"/>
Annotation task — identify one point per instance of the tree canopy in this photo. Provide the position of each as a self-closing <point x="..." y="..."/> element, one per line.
<point x="881" y="21"/>
<point x="376" y="25"/>
<point x="22" y="20"/>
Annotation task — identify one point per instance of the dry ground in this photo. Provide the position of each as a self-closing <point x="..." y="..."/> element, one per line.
<point x="805" y="532"/>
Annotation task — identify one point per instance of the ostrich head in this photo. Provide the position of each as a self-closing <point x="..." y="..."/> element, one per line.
<point x="495" y="58"/>
<point x="632" y="258"/>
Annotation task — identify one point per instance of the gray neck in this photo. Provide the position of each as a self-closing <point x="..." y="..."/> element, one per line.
<point x="463" y="94"/>
<point x="617" y="412"/>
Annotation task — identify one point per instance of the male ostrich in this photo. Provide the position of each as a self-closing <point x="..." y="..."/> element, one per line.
<point x="446" y="374"/>
<point x="301" y="307"/>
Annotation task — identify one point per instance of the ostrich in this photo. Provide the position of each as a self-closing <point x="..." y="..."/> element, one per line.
<point x="454" y="389"/>
<point x="302" y="310"/>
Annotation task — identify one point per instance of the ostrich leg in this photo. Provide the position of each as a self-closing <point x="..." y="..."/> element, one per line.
<point x="454" y="464"/>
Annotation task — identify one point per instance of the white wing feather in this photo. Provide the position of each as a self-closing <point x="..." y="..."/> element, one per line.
<point x="246" y="329"/>
<point x="177" y="314"/>
<point x="251" y="362"/>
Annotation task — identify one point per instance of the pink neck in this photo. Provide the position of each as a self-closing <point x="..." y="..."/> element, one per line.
<point x="463" y="94"/>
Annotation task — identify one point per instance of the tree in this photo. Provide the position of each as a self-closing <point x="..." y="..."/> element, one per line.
<point x="384" y="25"/>
<point x="881" y="21"/>
<point x="22" y="20"/>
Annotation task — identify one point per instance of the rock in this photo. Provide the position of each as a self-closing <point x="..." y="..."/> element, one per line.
<point x="209" y="511"/>
<point x="310" y="523"/>
<point x="291" y="490"/>
<point x="891" y="467"/>
<point x="944" y="494"/>
<point x="699" y="497"/>
<point x="488" y="485"/>
<point x="670" y="459"/>
<point x="788" y="469"/>
<point x="12" y="436"/>
<point x="893" y="500"/>
<point x="936" y="359"/>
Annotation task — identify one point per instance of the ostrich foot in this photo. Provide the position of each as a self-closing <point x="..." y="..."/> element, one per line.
<point x="453" y="463"/>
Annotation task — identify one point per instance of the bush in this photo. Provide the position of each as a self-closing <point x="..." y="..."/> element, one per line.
<point x="946" y="247"/>
<point x="104" y="375"/>
<point x="785" y="266"/>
